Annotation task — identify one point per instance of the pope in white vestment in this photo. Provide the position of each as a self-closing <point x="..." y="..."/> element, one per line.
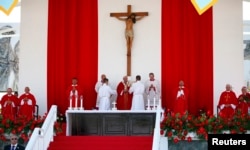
<point x="104" y="93"/>
<point x="137" y="89"/>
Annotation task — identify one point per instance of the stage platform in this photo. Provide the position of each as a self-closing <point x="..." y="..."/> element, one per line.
<point x="112" y="122"/>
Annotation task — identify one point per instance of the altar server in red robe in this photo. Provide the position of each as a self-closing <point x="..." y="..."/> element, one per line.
<point x="181" y="99"/>
<point x="124" y="98"/>
<point x="27" y="102"/>
<point x="227" y="102"/>
<point x="243" y="101"/>
<point x="9" y="104"/>
<point x="74" y="93"/>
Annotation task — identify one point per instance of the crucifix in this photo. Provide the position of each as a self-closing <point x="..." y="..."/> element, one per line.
<point x="130" y="18"/>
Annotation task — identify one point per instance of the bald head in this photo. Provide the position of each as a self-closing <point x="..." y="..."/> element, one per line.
<point x="125" y="78"/>
<point x="228" y="87"/>
<point x="9" y="91"/>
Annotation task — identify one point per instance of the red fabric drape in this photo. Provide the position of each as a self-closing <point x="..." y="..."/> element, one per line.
<point x="72" y="50"/>
<point x="187" y="51"/>
<point x="187" y="54"/>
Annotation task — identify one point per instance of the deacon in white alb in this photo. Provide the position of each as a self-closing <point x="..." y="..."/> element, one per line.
<point x="137" y="89"/>
<point x="104" y="93"/>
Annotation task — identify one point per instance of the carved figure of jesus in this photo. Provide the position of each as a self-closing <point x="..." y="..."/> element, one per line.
<point x="129" y="32"/>
<point x="130" y="19"/>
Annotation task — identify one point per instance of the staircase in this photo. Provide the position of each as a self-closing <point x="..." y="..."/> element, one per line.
<point x="102" y="143"/>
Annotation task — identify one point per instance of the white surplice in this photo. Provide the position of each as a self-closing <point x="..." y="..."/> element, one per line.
<point x="153" y="93"/>
<point x="104" y="94"/>
<point x="137" y="89"/>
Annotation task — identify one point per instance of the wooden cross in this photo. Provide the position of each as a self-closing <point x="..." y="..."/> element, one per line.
<point x="129" y="25"/>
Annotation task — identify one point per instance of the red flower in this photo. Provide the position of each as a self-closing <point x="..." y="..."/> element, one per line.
<point x="183" y="138"/>
<point x="233" y="132"/>
<point x="201" y="130"/>
<point x="170" y="133"/>
<point x="209" y="113"/>
<point x="189" y="118"/>
<point x="19" y="129"/>
<point x="185" y="132"/>
<point x="189" y="139"/>
<point x="162" y="124"/>
<point x="2" y="138"/>
<point x="206" y="136"/>
<point x="162" y="132"/>
<point x="13" y="131"/>
<point x="242" y="130"/>
<point x="176" y="140"/>
<point x="173" y="114"/>
<point x="180" y="123"/>
<point x="23" y="135"/>
<point x="178" y="126"/>
<point x="1" y="130"/>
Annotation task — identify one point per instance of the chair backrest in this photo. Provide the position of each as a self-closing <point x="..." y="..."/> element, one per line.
<point x="36" y="113"/>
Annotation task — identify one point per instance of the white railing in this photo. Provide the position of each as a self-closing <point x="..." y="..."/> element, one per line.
<point x="157" y="135"/>
<point x="41" y="137"/>
<point x="34" y="140"/>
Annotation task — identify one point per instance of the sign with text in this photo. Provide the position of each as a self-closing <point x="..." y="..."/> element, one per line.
<point x="229" y="141"/>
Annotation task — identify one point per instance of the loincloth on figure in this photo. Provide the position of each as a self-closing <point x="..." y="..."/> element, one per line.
<point x="129" y="33"/>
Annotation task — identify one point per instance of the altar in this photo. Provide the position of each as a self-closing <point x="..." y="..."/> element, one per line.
<point x="112" y="122"/>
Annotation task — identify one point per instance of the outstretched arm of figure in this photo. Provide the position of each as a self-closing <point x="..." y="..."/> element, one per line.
<point x="121" y="18"/>
<point x="139" y="18"/>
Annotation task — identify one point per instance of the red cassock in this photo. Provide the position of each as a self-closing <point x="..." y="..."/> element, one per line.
<point x="180" y="101"/>
<point x="27" y="104"/>
<point x="73" y="92"/>
<point x="227" y="98"/>
<point x="243" y="103"/>
<point x="9" y="106"/>
<point x="124" y="99"/>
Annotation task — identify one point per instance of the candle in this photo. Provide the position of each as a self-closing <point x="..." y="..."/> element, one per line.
<point x="76" y="103"/>
<point x="148" y="107"/>
<point x="70" y="102"/>
<point x="154" y="103"/>
<point x="159" y="104"/>
<point x="81" y="102"/>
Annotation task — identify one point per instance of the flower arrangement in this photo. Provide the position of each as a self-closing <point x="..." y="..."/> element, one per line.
<point x="180" y="126"/>
<point x="59" y="122"/>
<point x="22" y="127"/>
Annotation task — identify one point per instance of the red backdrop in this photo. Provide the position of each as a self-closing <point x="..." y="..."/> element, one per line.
<point x="72" y="50"/>
<point x="187" y="51"/>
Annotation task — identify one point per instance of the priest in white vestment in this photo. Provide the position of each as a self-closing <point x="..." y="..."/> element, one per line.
<point x="97" y="86"/>
<point x="105" y="92"/>
<point x="137" y="89"/>
<point x="153" y="90"/>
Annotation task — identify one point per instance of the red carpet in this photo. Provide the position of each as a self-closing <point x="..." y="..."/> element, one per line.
<point x="102" y="143"/>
